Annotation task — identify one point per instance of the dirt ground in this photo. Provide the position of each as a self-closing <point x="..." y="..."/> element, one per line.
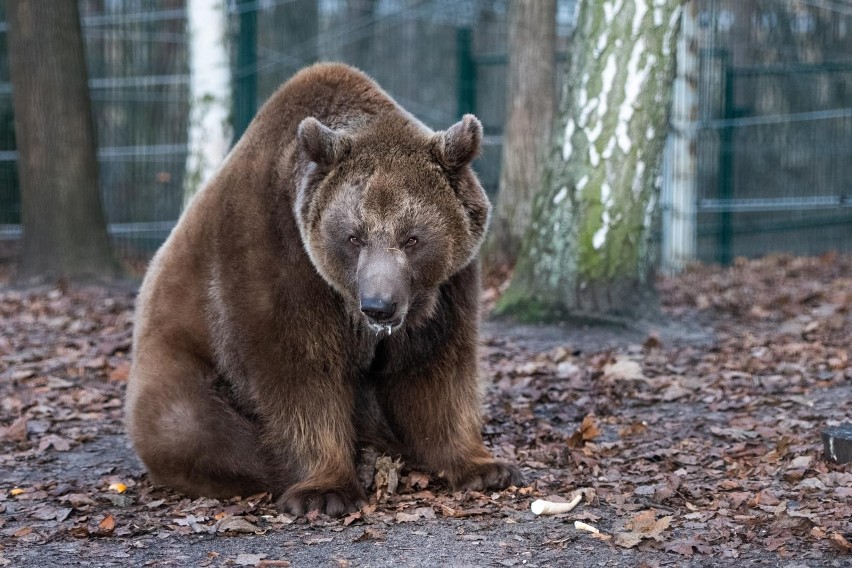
<point x="693" y="441"/>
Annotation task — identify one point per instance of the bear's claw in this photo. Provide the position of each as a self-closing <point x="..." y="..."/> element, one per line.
<point x="492" y="475"/>
<point x="331" y="502"/>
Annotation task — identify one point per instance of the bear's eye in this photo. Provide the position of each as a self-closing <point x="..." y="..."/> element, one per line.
<point x="411" y="242"/>
<point x="355" y="241"/>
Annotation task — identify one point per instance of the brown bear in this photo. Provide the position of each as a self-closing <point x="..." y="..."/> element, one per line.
<point x="318" y="296"/>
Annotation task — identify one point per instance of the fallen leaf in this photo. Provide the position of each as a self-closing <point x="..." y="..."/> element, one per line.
<point x="686" y="547"/>
<point x="640" y="526"/>
<point x="406" y="517"/>
<point x="236" y="525"/>
<point x="387" y="475"/>
<point x="351" y="518"/>
<point x="14" y="432"/>
<point x="106" y="526"/>
<point x="58" y="443"/>
<point x="50" y="513"/>
<point x="22" y="532"/>
<point x="587" y="431"/>
<point x="627" y="539"/>
<point x="120" y="373"/>
<point x="801" y="462"/>
<point x="370" y="534"/>
<point x="78" y="500"/>
<point x="623" y="369"/>
<point x="245" y="559"/>
<point x="838" y="541"/>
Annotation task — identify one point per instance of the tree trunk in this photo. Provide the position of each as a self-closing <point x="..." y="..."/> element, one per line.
<point x="588" y="253"/>
<point x="64" y="229"/>
<point x="680" y="189"/>
<point x="531" y="100"/>
<point x="210" y="129"/>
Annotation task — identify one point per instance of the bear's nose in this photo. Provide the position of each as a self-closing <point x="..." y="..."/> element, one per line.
<point x="378" y="309"/>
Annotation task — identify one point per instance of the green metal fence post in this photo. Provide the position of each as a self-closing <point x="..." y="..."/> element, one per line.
<point x="466" y="71"/>
<point x="726" y="164"/>
<point x="245" y="91"/>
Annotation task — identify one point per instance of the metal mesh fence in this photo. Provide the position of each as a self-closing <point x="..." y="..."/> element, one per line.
<point x="775" y="127"/>
<point x="438" y="58"/>
<point x="774" y="117"/>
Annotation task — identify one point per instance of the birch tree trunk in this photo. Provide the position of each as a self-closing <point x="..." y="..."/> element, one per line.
<point x="680" y="191"/>
<point x="529" y="120"/>
<point x="65" y="233"/>
<point x="210" y="128"/>
<point x="588" y="253"/>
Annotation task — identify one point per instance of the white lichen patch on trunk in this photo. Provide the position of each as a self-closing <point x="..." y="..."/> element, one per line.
<point x="633" y="84"/>
<point x="567" y="148"/>
<point x="607" y="80"/>
<point x="641" y="9"/>
<point x="599" y="238"/>
<point x="210" y="130"/>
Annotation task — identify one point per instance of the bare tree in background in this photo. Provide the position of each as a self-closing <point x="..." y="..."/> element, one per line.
<point x="210" y="93"/>
<point x="64" y="228"/>
<point x="529" y="119"/>
<point x="588" y="253"/>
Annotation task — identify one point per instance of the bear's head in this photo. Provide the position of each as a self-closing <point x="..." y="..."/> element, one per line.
<point x="389" y="211"/>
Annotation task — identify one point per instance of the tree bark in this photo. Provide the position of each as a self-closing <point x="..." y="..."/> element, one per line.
<point x="529" y="120"/>
<point x="64" y="228"/>
<point x="588" y="254"/>
<point x="210" y="129"/>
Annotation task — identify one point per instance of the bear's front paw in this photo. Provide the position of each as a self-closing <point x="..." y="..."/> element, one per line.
<point x="332" y="502"/>
<point x="489" y="475"/>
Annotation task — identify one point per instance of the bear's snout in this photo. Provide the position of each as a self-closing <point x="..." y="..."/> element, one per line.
<point x="383" y="287"/>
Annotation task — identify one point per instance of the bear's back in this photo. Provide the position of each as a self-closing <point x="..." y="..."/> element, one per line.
<point x="337" y="95"/>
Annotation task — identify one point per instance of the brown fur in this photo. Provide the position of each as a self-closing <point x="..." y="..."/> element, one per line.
<point x="255" y="368"/>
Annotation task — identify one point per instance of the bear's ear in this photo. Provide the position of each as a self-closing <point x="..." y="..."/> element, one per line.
<point x="460" y="143"/>
<point x="320" y="143"/>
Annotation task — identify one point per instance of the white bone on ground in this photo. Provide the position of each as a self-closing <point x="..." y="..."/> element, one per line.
<point x="542" y="507"/>
<point x="581" y="526"/>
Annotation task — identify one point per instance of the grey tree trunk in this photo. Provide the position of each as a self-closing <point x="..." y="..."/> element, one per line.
<point x="588" y="252"/>
<point x="531" y="101"/>
<point x="65" y="232"/>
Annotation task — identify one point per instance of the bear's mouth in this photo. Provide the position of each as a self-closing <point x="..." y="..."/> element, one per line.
<point x="384" y="327"/>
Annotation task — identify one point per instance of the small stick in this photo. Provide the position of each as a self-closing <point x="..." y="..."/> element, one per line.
<point x="581" y="526"/>
<point x="542" y="507"/>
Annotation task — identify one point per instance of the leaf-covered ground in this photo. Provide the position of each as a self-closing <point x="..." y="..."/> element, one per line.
<point x="695" y="448"/>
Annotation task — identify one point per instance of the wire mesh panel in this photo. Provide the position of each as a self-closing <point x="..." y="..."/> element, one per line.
<point x="137" y="59"/>
<point x="438" y="58"/>
<point x="775" y="94"/>
<point x="776" y="127"/>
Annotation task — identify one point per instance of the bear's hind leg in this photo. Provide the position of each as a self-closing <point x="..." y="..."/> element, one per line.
<point x="189" y="437"/>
